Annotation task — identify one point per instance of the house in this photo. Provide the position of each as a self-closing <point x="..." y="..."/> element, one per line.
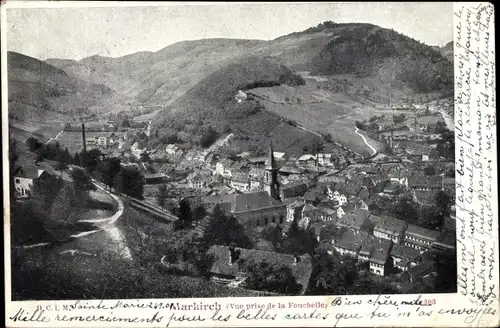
<point x="257" y="160"/>
<point x="230" y="264"/>
<point x="350" y="243"/>
<point x="223" y="167"/>
<point x="256" y="177"/>
<point x="356" y="220"/>
<point x="240" y="96"/>
<point x="26" y="177"/>
<point x="391" y="229"/>
<point x="420" y="238"/>
<point x="294" y="210"/>
<point x="258" y="209"/>
<point x="279" y="156"/>
<point x="313" y="196"/>
<point x="418" y="272"/>
<point x="345" y="208"/>
<point x="243" y="155"/>
<point x="240" y="181"/>
<point x="297" y="188"/>
<point x="430" y="123"/>
<point x="325" y="159"/>
<point x="404" y="257"/>
<point x="311" y="212"/>
<point x="339" y="192"/>
<point x="423" y="197"/>
<point x="291" y="170"/>
<point x="197" y="180"/>
<point x="328" y="215"/>
<point x="331" y="179"/>
<point x="379" y="256"/>
<point x="423" y="182"/>
<point x="307" y="159"/>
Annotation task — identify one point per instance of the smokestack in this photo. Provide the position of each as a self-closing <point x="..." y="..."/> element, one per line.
<point x="83" y="138"/>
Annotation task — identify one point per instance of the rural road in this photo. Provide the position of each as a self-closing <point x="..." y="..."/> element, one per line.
<point x="112" y="231"/>
<point x="112" y="219"/>
<point x="57" y="136"/>
<point x="366" y="142"/>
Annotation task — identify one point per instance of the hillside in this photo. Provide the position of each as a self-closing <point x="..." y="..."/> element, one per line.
<point x="157" y="78"/>
<point x="38" y="91"/>
<point x="212" y="103"/>
<point x="447" y="51"/>
<point x="368" y="50"/>
<point x="327" y="49"/>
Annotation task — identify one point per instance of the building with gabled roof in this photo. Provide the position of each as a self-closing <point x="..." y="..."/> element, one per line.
<point x="390" y="228"/>
<point x="420" y="238"/>
<point x="229" y="263"/>
<point x="25" y="177"/>
<point x="404" y="257"/>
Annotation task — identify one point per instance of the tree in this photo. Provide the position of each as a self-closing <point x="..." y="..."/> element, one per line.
<point x="443" y="202"/>
<point x="33" y="144"/>
<point x="199" y="212"/>
<point x="404" y="209"/>
<point x="82" y="184"/>
<point x="13" y="167"/>
<point x="107" y="170"/>
<point x="67" y="127"/>
<point x="76" y="159"/>
<point x="61" y="166"/>
<point x="430" y="217"/>
<point x="430" y="170"/>
<point x="225" y="230"/>
<point x="125" y="123"/>
<point x="145" y="157"/>
<point x="297" y="241"/>
<point x="332" y="275"/>
<point x="162" y="195"/>
<point x="46" y="189"/>
<point x="185" y="214"/>
<point x="271" y="277"/>
<point x="208" y="137"/>
<point x="131" y="182"/>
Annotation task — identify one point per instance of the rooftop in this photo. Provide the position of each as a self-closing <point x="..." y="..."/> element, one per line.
<point x="391" y="225"/>
<point x="404" y="252"/>
<point x="417" y="231"/>
<point x="222" y="264"/>
<point x="254" y="201"/>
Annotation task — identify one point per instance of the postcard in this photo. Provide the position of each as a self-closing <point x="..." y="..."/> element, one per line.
<point x="237" y="164"/>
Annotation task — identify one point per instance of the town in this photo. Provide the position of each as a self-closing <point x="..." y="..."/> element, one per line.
<point x="389" y="216"/>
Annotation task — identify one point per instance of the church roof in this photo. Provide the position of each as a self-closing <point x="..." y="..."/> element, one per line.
<point x="254" y="201"/>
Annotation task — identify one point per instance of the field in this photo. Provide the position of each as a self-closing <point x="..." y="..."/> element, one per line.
<point x="320" y="111"/>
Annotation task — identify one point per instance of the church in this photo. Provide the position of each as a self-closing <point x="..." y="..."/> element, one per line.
<point x="261" y="208"/>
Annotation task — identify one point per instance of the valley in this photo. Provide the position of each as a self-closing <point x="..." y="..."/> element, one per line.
<point x="147" y="171"/>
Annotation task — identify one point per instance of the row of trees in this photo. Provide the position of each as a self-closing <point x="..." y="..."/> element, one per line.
<point x="429" y="216"/>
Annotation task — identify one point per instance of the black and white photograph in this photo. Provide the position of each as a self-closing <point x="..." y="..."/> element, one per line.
<point x="216" y="150"/>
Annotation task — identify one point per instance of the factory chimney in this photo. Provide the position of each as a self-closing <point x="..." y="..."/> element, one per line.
<point x="83" y="138"/>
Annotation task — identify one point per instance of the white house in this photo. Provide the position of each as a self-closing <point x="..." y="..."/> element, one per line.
<point x="102" y="141"/>
<point x="325" y="159"/>
<point x="172" y="149"/>
<point x="24" y="179"/>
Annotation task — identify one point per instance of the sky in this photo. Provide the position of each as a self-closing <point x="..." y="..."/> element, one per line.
<point x="76" y="33"/>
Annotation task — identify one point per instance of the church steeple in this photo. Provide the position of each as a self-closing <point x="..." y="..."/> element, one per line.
<point x="271" y="176"/>
<point x="271" y="164"/>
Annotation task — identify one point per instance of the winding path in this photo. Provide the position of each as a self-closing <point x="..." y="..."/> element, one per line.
<point x="365" y="141"/>
<point x="57" y="136"/>
<point x="112" y="219"/>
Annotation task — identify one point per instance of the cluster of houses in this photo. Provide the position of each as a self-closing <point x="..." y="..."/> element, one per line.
<point x="381" y="242"/>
